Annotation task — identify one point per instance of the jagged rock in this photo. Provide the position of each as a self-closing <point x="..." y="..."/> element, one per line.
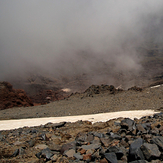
<point x="128" y="124"/>
<point x="150" y="151"/>
<point x="117" y="151"/>
<point x="135" y="151"/>
<point x="99" y="135"/>
<point x="105" y="141"/>
<point x="68" y="146"/>
<point x="140" y="128"/>
<point x="46" y="153"/>
<point x="16" y="152"/>
<point x="31" y="143"/>
<point x="158" y="140"/>
<point x="54" y="147"/>
<point x="114" y="136"/>
<point x="111" y="157"/>
<point x="81" y="137"/>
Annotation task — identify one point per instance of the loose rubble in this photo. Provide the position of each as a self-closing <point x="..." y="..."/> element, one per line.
<point x="115" y="141"/>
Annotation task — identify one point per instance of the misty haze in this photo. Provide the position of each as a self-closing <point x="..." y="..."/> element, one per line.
<point x="78" y="43"/>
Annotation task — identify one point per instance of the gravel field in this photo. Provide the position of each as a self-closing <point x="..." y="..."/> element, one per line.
<point x="79" y="104"/>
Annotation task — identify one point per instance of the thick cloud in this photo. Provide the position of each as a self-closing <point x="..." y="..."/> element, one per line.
<point x="73" y="37"/>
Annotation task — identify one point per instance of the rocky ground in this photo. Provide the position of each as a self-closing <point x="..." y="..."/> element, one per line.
<point x="116" y="141"/>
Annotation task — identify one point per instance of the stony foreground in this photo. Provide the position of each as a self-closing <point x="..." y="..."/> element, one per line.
<point x="116" y="141"/>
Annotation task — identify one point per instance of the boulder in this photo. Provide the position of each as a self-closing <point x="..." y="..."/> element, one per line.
<point x="135" y="152"/>
<point x="150" y="151"/>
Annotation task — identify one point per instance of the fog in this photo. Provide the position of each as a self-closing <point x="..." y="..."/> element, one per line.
<point x="67" y="38"/>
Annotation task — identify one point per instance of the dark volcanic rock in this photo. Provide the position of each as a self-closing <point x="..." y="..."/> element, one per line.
<point x="158" y="140"/>
<point x="128" y="124"/>
<point x="111" y="157"/>
<point x="85" y="142"/>
<point x="135" y="152"/>
<point x="150" y="151"/>
<point x="117" y="151"/>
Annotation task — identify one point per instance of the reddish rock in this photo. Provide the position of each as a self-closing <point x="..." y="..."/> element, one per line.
<point x="82" y="151"/>
<point x="103" y="161"/>
<point x="10" y="97"/>
<point x="87" y="157"/>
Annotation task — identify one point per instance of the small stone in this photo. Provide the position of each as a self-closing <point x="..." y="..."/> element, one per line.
<point x="41" y="146"/>
<point x="87" y="157"/>
<point x="99" y="135"/>
<point x="82" y="151"/>
<point x="103" y="161"/>
<point x="21" y="151"/>
<point x="140" y="128"/>
<point x="47" y="153"/>
<point x="105" y="141"/>
<point x="16" y="152"/>
<point x="128" y="124"/>
<point x="90" y="151"/>
<point x="117" y="151"/>
<point x="69" y="153"/>
<point x="54" y="157"/>
<point x="31" y="143"/>
<point x="78" y="156"/>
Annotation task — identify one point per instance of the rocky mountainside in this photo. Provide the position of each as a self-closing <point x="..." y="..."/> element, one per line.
<point x="10" y="97"/>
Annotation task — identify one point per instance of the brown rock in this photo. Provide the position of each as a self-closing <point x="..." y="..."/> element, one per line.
<point x="106" y="142"/>
<point x="70" y="153"/>
<point x="82" y="151"/>
<point x="87" y="157"/>
<point x="103" y="161"/>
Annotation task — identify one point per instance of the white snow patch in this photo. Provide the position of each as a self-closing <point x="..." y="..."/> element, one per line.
<point x="103" y="117"/>
<point x="66" y="89"/>
<point x="155" y="86"/>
